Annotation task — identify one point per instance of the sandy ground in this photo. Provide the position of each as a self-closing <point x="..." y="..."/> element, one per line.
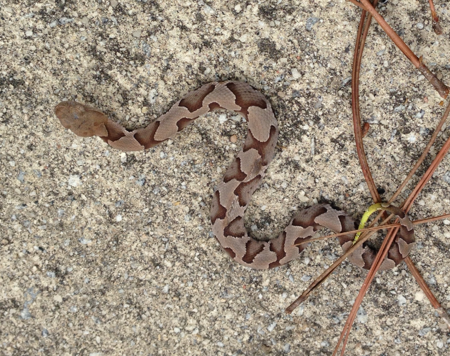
<point x="108" y="253"/>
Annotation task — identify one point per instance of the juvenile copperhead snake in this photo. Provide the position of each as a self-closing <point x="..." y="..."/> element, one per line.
<point x="242" y="178"/>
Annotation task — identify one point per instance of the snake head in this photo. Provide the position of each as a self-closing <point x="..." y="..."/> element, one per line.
<point x="83" y="120"/>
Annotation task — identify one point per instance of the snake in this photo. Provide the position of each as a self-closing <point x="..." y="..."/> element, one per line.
<point x="245" y="174"/>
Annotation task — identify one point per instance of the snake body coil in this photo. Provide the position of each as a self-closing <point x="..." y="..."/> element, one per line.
<point x="242" y="177"/>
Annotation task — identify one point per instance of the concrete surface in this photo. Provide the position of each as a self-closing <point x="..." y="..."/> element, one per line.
<point x="108" y="253"/>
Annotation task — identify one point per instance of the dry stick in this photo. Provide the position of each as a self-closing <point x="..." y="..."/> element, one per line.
<point x="442" y="89"/>
<point x="372" y="228"/>
<point x="434" y="302"/>
<point x="423" y="156"/>
<point x="384" y="249"/>
<point x="434" y="218"/>
<point x="419" y="162"/>
<point x="436" y="26"/>
<point x="431" y="169"/>
<point x="359" y="47"/>
<point x="427" y="176"/>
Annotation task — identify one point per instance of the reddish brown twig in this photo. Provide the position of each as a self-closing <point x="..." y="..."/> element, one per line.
<point x="434" y="218"/>
<point x="442" y="89"/>
<point x="434" y="302"/>
<point x="423" y="155"/>
<point x="435" y="19"/>
<point x="384" y="249"/>
<point x="359" y="47"/>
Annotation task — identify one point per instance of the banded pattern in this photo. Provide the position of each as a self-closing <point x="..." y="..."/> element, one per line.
<point x="242" y="177"/>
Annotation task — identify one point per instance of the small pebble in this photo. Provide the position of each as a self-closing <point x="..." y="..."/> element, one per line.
<point x="419" y="296"/>
<point x="446" y="177"/>
<point x="233" y="139"/>
<point x="271" y="326"/>
<point x="424" y="331"/>
<point x="361" y="316"/>
<point x="295" y="73"/>
<point x="74" y="181"/>
<point x="141" y="181"/>
<point x="208" y="10"/>
<point x="346" y="81"/>
<point x="84" y="241"/>
<point x="21" y="176"/>
<point x="65" y="20"/>
<point x="420" y="26"/>
<point x="119" y="203"/>
<point x="311" y="22"/>
<point x="412" y="138"/>
<point x="401" y="300"/>
<point x="420" y="114"/>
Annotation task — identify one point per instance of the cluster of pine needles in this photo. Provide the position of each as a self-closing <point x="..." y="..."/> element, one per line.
<point x="369" y="12"/>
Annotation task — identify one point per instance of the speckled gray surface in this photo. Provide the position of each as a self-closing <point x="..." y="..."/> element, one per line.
<point x="107" y="253"/>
